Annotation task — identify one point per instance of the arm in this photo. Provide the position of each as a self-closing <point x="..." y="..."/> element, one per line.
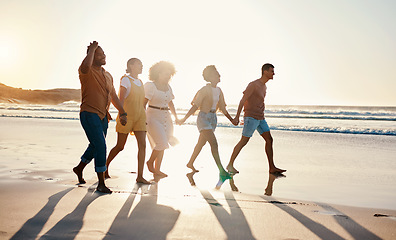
<point x="188" y="114"/>
<point x="235" y="121"/>
<point x="222" y="106"/>
<point x="225" y="112"/>
<point x="145" y="102"/>
<point x="123" y="91"/>
<point x="88" y="60"/>
<point x="117" y="104"/>
<point x="173" y="110"/>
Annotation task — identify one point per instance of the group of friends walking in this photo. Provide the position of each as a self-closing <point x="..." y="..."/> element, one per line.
<point x="147" y="108"/>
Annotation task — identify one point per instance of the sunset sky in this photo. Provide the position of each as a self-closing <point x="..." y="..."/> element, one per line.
<point x="340" y="52"/>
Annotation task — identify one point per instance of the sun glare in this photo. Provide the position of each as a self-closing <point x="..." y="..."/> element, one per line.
<point x="8" y="53"/>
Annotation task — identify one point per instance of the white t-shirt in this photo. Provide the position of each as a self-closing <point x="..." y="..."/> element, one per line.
<point x="216" y="97"/>
<point x="126" y="83"/>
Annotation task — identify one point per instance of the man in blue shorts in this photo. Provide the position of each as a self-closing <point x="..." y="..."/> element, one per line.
<point x="253" y="105"/>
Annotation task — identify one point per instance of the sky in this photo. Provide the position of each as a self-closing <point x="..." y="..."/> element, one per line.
<point x="339" y="52"/>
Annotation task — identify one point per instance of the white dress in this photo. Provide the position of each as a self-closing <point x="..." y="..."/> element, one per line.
<point x="159" y="122"/>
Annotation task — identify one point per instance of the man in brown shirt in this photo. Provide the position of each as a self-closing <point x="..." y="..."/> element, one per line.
<point x="97" y="91"/>
<point x="253" y="104"/>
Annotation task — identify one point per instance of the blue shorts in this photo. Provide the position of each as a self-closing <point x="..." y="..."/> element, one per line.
<point x="206" y="121"/>
<point x="251" y="124"/>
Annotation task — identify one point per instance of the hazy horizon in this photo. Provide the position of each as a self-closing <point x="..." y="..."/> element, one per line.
<point x="338" y="53"/>
<point x="236" y="104"/>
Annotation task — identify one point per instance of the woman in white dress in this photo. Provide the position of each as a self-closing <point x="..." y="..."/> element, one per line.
<point x="159" y="97"/>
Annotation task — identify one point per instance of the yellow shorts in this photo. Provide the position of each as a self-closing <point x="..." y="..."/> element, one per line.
<point x="134" y="123"/>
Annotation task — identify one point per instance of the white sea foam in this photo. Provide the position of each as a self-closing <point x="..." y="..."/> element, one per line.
<point x="328" y="119"/>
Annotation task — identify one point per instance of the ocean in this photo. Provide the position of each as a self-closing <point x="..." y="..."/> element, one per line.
<point x="325" y="119"/>
<point x="337" y="154"/>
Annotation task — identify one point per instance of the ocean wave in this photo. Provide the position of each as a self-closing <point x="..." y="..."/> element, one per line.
<point x="39" y="108"/>
<point x="349" y="120"/>
<point x="41" y="117"/>
<point x="70" y="103"/>
<point x="375" y="114"/>
<point x="333" y="113"/>
<point x="321" y="129"/>
<point x="336" y="130"/>
<point x="336" y="117"/>
<point x="363" y="113"/>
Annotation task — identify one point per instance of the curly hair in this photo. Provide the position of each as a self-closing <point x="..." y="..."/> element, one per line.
<point x="159" y="67"/>
<point x="207" y="71"/>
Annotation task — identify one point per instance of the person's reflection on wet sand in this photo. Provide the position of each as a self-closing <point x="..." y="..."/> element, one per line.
<point x="190" y="177"/>
<point x="221" y="181"/>
<point x="234" y="188"/>
<point x="271" y="179"/>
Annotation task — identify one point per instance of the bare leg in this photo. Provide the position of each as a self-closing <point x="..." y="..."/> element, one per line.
<point x="268" y="189"/>
<point x="271" y="179"/>
<point x="121" y="140"/>
<point x="270" y="153"/>
<point x="156" y="158"/>
<point x="158" y="162"/>
<point x="78" y="170"/>
<point x="150" y="162"/>
<point x="211" y="138"/>
<point x="198" y="147"/>
<point x="237" y="149"/>
<point x="233" y="186"/>
<point x="101" y="185"/>
<point x="141" y="141"/>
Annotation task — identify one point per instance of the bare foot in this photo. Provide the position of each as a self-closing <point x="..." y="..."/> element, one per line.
<point x="232" y="170"/>
<point x="150" y="166"/>
<point x="278" y="175"/>
<point x="161" y="174"/>
<point x="79" y="175"/>
<point x="106" y="174"/>
<point x="103" y="189"/>
<point x="276" y="170"/>
<point x="268" y="192"/>
<point x="192" y="168"/>
<point x="233" y="187"/>
<point x="190" y="178"/>
<point x="142" y="180"/>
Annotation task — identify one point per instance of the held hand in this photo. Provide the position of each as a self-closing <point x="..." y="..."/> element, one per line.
<point x="179" y="121"/>
<point x="235" y="121"/>
<point x="123" y="120"/>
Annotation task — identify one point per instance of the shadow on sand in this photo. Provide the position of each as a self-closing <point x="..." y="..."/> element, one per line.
<point x="234" y="224"/>
<point x="148" y="219"/>
<point x="33" y="226"/>
<point x="352" y="227"/>
<point x="70" y="225"/>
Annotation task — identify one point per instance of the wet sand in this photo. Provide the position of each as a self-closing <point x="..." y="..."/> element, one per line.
<point x="41" y="198"/>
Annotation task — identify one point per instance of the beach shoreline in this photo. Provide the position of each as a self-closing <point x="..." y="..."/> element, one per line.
<point x="44" y="210"/>
<point x="323" y="167"/>
<point x="38" y="155"/>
